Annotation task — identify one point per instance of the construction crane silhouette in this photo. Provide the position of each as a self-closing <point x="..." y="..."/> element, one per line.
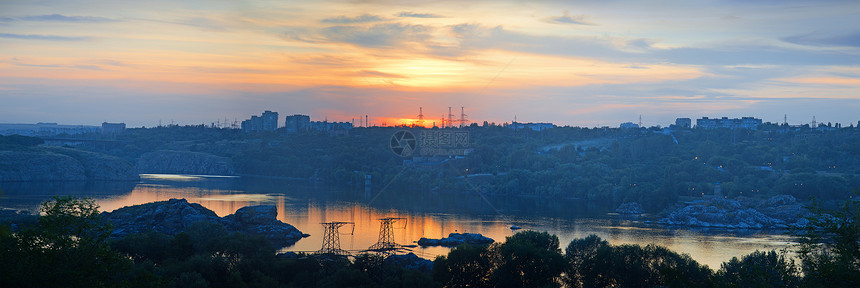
<point x="386" y="244"/>
<point x="331" y="238"/>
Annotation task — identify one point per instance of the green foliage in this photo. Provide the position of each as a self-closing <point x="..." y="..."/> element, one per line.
<point x="465" y="266"/>
<point x="17" y="142"/>
<point x="759" y="269"/>
<point x="528" y="259"/>
<point x="594" y="263"/>
<point x="67" y="248"/>
<point x="829" y="248"/>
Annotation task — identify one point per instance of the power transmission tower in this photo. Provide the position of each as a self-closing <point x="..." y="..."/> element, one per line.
<point x="386" y="243"/>
<point x="420" y="121"/>
<point x="462" y="120"/>
<point x="331" y="238"/>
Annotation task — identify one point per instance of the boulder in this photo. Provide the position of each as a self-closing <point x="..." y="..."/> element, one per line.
<point x="778" y="212"/>
<point x="455" y="239"/>
<point x="175" y="215"/>
<point x="410" y="261"/>
<point x="263" y="220"/>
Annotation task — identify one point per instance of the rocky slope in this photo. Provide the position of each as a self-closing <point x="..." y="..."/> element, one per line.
<point x="184" y="162"/>
<point x="779" y="212"/>
<point x="62" y="164"/>
<point x="176" y="215"/>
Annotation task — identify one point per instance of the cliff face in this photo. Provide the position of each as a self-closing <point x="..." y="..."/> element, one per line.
<point x="62" y="164"/>
<point x="184" y="162"/>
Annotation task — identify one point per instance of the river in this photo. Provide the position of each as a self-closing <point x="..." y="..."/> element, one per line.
<point x="431" y="215"/>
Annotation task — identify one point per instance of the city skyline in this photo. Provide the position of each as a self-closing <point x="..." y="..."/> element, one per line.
<point x="578" y="64"/>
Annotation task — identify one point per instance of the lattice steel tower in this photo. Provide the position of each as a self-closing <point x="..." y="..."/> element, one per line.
<point x="331" y="238"/>
<point x="386" y="242"/>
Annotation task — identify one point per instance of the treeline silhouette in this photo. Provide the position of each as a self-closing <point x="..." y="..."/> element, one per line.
<point x="69" y="246"/>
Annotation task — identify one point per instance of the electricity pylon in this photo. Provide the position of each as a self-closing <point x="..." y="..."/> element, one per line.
<point x="331" y="238"/>
<point x="386" y="243"/>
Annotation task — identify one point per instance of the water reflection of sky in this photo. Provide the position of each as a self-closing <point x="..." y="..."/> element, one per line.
<point x="426" y="215"/>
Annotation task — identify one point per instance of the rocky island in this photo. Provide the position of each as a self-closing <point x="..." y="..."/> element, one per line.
<point x="777" y="212"/>
<point x="175" y="215"/>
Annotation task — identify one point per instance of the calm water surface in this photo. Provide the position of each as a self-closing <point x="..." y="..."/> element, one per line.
<point x="426" y="214"/>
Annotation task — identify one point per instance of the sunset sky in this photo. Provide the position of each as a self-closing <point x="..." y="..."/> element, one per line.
<point x="580" y="63"/>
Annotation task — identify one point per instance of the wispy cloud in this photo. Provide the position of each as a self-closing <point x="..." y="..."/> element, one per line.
<point x="568" y="19"/>
<point x="381" y="35"/>
<point x="44" y="37"/>
<point x="64" y="18"/>
<point x="381" y="74"/>
<point x="843" y="40"/>
<point x="418" y="15"/>
<point x="352" y="20"/>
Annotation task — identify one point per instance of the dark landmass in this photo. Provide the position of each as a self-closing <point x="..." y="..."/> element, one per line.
<point x="177" y="215"/>
<point x="62" y="164"/>
<point x="655" y="167"/>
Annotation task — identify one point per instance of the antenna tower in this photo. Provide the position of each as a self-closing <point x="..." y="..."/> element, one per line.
<point x="331" y="238"/>
<point x="640" y="121"/>
<point x="420" y="121"/>
<point x="386" y="243"/>
<point x="785" y="120"/>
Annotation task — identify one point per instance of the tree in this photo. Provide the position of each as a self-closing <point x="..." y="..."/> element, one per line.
<point x="579" y="252"/>
<point x="829" y="248"/>
<point x="597" y="264"/>
<point x="528" y="259"/>
<point x="67" y="248"/>
<point x="465" y="266"/>
<point x="759" y="269"/>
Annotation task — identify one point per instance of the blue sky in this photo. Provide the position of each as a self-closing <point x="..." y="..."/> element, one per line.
<point x="582" y="63"/>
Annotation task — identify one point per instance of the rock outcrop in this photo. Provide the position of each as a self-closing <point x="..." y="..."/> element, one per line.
<point x="184" y="162"/>
<point x="410" y="261"/>
<point x="262" y="220"/>
<point x="778" y="212"/>
<point x="629" y="208"/>
<point x="63" y="164"/>
<point x="455" y="239"/>
<point x="176" y="215"/>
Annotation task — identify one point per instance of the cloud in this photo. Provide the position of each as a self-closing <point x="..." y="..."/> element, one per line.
<point x="43" y="37"/>
<point x="63" y="18"/>
<point x="358" y="19"/>
<point x="381" y="74"/>
<point x="567" y="19"/>
<point x="818" y="40"/>
<point x="381" y="35"/>
<point x="740" y="54"/>
<point x="418" y="15"/>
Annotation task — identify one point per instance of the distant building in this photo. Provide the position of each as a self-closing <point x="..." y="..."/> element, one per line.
<point x="684" y="123"/>
<point x="532" y="126"/>
<point x="297" y="123"/>
<point x="627" y="125"/>
<point x="332" y="128"/>
<point x="46" y="129"/>
<point x="731" y="123"/>
<point x="112" y="128"/>
<point x="266" y="122"/>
